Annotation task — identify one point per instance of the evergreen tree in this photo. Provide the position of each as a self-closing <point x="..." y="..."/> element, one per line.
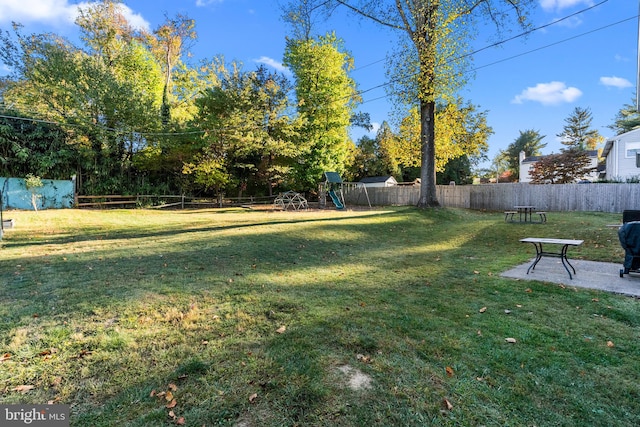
<point x="627" y="119"/>
<point x="529" y="141"/>
<point x="577" y="132"/>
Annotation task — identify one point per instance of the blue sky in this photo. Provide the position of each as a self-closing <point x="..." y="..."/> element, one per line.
<point x="587" y="60"/>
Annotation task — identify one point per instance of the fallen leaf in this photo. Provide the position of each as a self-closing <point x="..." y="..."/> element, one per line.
<point x="610" y="344"/>
<point x="363" y="358"/>
<point x="169" y="396"/>
<point x="171" y="404"/>
<point x="172" y="415"/>
<point x="180" y="421"/>
<point x="483" y="309"/>
<point x="24" y="388"/>
<point x="507" y="312"/>
<point x="447" y="405"/>
<point x="5" y="357"/>
<point x="449" y="371"/>
<point x="281" y="329"/>
<point x="528" y="290"/>
<point x="595" y="300"/>
<point x="152" y="394"/>
<point x="519" y="305"/>
<point x="510" y="340"/>
<point x="476" y="272"/>
<point x="173" y="387"/>
<point x="253" y="397"/>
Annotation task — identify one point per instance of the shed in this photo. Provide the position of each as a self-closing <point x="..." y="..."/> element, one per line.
<point x="379" y="181"/>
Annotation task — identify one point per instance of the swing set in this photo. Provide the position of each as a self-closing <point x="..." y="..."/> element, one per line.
<point x="334" y="187"/>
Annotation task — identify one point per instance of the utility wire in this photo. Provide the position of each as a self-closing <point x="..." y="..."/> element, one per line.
<point x="361" y="92"/>
<point x="506" y="59"/>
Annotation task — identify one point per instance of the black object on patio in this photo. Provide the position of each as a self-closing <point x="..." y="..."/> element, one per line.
<point x="629" y="235"/>
<point x="630" y="215"/>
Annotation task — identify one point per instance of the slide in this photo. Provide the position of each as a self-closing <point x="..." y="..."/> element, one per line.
<point x="335" y="199"/>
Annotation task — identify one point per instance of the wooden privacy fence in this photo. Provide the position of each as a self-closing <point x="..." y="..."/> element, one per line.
<point x="596" y="197"/>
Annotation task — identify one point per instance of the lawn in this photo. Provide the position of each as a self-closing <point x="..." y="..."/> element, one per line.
<point x="320" y="318"/>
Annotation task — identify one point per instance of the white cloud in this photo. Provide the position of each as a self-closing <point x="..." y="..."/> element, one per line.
<point x="202" y="3"/>
<point x="272" y="63"/>
<point x="557" y="5"/>
<point x="548" y="94"/>
<point x="375" y="126"/>
<point x="614" y="81"/>
<point x="55" y="12"/>
<point x="25" y="11"/>
<point x="135" y="19"/>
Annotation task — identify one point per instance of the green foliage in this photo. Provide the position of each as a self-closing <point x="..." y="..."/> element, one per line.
<point x="367" y="160"/>
<point x="529" y="141"/>
<point x="28" y="146"/>
<point x="432" y="57"/>
<point x="245" y="123"/>
<point x="456" y="170"/>
<point x="209" y="173"/>
<point x="627" y="119"/>
<point x="33" y="183"/>
<point x="460" y="131"/>
<point x="577" y="133"/>
<point x="326" y="98"/>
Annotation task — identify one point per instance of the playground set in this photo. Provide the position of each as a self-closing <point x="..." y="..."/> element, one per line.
<point x="334" y="187"/>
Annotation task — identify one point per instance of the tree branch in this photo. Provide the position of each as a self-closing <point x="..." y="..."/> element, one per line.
<point x="370" y="16"/>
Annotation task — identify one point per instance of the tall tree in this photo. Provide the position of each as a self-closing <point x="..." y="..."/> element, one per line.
<point x="326" y="99"/>
<point x="461" y="130"/>
<point x="247" y="133"/>
<point x="171" y="40"/>
<point x="529" y="142"/>
<point x="627" y="119"/>
<point x="577" y="132"/>
<point x="436" y="32"/>
<point x="387" y="142"/>
<point x="105" y="94"/>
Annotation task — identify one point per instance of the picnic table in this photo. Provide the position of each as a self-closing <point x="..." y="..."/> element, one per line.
<point x="525" y="214"/>
<point x="540" y="252"/>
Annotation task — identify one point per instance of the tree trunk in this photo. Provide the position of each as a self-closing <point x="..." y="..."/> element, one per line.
<point x="428" y="197"/>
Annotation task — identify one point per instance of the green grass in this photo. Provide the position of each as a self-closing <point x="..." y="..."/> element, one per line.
<point x="108" y="310"/>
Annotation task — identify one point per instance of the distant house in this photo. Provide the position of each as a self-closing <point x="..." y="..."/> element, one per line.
<point x="526" y="164"/>
<point x="379" y="181"/>
<point x="622" y="156"/>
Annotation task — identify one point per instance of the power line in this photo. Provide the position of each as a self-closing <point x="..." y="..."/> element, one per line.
<point x="511" y="57"/>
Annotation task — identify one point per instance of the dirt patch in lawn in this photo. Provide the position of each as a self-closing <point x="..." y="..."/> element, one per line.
<point x="354" y="378"/>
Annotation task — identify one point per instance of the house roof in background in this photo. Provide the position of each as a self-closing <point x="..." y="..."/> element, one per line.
<point x="533" y="159"/>
<point x="609" y="144"/>
<point x="373" y="179"/>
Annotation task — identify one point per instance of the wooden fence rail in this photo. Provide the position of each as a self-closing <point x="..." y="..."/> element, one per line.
<point x="596" y="197"/>
<point x="166" y="201"/>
